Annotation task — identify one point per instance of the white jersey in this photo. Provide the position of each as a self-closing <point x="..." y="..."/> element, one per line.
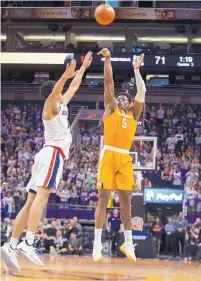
<point x="57" y="131"/>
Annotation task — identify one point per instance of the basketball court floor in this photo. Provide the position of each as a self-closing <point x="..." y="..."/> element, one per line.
<point x="60" y="268"/>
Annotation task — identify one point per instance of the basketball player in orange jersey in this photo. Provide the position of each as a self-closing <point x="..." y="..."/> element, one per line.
<point x="115" y="171"/>
<point x="48" y="163"/>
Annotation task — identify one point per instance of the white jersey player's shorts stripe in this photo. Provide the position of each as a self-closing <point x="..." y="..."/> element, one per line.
<point x="52" y="171"/>
<point x="47" y="169"/>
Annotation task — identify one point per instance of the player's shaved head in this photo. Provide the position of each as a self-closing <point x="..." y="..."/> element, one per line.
<point x="46" y="88"/>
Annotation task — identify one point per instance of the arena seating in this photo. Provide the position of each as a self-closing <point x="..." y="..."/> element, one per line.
<point x="178" y="128"/>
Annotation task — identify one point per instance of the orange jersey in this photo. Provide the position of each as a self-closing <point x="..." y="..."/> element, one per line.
<point x="119" y="129"/>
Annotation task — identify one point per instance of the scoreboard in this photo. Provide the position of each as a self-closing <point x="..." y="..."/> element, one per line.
<point x="156" y="61"/>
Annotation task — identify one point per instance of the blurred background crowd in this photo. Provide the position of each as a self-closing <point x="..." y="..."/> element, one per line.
<point x="177" y="238"/>
<point x="178" y="128"/>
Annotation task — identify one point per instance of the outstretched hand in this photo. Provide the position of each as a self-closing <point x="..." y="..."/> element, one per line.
<point x="137" y="61"/>
<point x="70" y="69"/>
<point x="88" y="59"/>
<point x="105" y="52"/>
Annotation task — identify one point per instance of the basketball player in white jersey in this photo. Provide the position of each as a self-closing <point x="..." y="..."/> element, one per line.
<point x="48" y="164"/>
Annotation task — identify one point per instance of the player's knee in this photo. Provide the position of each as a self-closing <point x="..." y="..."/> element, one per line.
<point x="29" y="201"/>
<point x="43" y="195"/>
<point x="103" y="201"/>
<point x="125" y="213"/>
<point x="28" y="205"/>
<point x="42" y="200"/>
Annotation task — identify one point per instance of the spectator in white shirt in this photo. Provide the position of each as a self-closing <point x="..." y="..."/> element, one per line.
<point x="191" y="174"/>
<point x="175" y="120"/>
<point x="170" y="142"/>
<point x="160" y="112"/>
<point x="198" y="139"/>
<point x="177" y="179"/>
<point x="65" y="195"/>
<point x="190" y="194"/>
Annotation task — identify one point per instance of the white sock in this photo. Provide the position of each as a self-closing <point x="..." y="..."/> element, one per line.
<point x="97" y="237"/>
<point x="13" y="242"/>
<point x="128" y="236"/>
<point x="29" y="238"/>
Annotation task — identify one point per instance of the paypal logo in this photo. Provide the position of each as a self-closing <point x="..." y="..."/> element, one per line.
<point x="172" y="196"/>
<point x="149" y="195"/>
<point x="157" y="195"/>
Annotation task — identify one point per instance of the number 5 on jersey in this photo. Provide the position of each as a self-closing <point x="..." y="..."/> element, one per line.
<point x="124" y="123"/>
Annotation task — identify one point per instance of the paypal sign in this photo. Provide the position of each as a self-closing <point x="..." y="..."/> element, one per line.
<point x="164" y="196"/>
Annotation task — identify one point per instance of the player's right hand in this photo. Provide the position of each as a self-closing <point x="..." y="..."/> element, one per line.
<point x="88" y="59"/>
<point x="70" y="69"/>
<point x="105" y="52"/>
<point x="137" y="61"/>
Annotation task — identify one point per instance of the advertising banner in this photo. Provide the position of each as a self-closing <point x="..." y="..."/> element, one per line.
<point x="144" y="14"/>
<point x="139" y="235"/>
<point x="61" y="13"/>
<point x="163" y="196"/>
<point x="80" y="13"/>
<point x="49" y="13"/>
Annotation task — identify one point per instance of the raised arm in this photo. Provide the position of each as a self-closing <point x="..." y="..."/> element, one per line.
<point x="75" y="84"/>
<point x="109" y="95"/>
<point x="138" y="104"/>
<point x="58" y="87"/>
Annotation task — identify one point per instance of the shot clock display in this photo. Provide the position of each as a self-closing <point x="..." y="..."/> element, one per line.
<point x="124" y="60"/>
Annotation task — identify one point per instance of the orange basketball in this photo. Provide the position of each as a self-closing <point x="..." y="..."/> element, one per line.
<point x="104" y="14"/>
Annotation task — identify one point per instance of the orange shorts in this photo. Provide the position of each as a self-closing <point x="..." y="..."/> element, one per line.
<point x="115" y="171"/>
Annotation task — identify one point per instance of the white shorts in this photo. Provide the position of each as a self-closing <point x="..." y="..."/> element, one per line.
<point x="47" y="169"/>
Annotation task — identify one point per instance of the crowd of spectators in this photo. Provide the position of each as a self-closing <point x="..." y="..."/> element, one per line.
<point x="53" y="236"/>
<point x="178" y="128"/>
<point x="178" y="237"/>
<point x="68" y="237"/>
<point x="178" y="157"/>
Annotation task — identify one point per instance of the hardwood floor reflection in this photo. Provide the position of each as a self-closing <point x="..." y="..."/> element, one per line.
<point x="60" y="268"/>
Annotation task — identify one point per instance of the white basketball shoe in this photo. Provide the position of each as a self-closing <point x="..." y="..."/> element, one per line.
<point x="97" y="252"/>
<point x="10" y="257"/>
<point x="129" y="251"/>
<point x="29" y="252"/>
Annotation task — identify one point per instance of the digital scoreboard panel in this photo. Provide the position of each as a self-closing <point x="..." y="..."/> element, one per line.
<point x="173" y="61"/>
<point x="123" y="60"/>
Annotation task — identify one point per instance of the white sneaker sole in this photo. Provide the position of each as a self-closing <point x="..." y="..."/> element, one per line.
<point x="9" y="263"/>
<point x="131" y="258"/>
<point x="100" y="258"/>
<point x="29" y="257"/>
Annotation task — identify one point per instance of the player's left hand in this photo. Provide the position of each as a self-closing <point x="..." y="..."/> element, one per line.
<point x="70" y="69"/>
<point x="137" y="61"/>
<point x="88" y="59"/>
